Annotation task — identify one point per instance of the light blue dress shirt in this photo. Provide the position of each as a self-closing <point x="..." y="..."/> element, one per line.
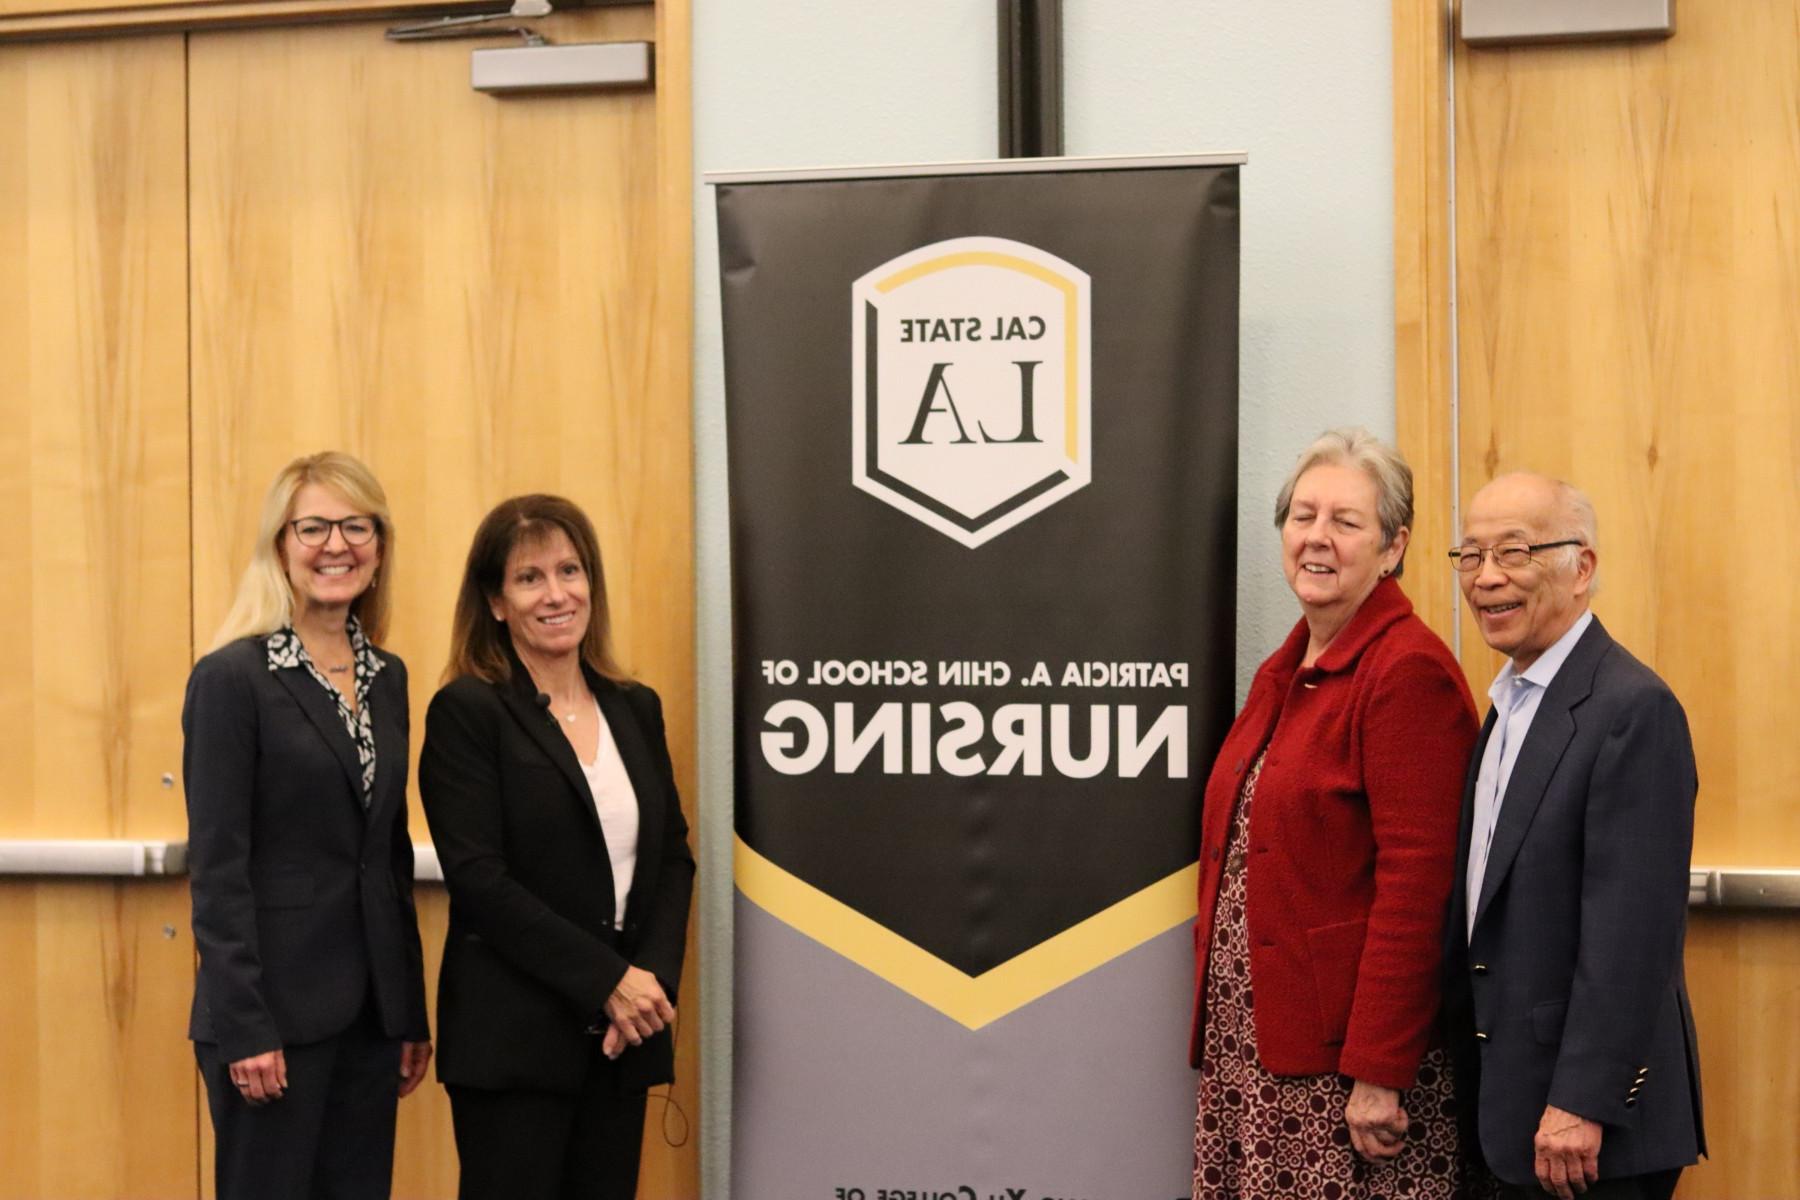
<point x="1515" y="695"/>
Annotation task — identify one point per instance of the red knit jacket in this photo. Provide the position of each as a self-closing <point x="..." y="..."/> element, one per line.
<point x="1352" y="843"/>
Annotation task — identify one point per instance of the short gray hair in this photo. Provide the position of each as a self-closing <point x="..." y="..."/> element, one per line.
<point x="1383" y="465"/>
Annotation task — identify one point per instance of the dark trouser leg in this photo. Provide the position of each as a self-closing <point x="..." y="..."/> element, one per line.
<point x="607" y="1144"/>
<point x="1658" y="1186"/>
<point x="355" y="1159"/>
<point x="267" y="1152"/>
<point x="520" y="1145"/>
<point x="510" y="1144"/>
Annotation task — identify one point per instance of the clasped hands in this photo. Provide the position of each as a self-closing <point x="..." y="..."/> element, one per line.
<point x="637" y="1008"/>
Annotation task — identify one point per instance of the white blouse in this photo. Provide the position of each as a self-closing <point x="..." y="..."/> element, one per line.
<point x="617" y="805"/>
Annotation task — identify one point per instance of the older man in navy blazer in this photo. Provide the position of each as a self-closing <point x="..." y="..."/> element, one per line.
<point x="1566" y="995"/>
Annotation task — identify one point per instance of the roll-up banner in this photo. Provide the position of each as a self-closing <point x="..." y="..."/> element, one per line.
<point x="982" y="426"/>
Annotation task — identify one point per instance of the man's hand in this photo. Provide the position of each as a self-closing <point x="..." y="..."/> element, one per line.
<point x="1568" y="1152"/>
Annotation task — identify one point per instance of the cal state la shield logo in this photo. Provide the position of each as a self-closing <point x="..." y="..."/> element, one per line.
<point x="971" y="384"/>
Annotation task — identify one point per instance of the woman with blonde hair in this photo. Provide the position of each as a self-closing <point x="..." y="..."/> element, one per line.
<point x="309" y="1006"/>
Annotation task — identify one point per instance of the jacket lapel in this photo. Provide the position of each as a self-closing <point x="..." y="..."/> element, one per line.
<point x="1552" y="729"/>
<point x="520" y="698"/>
<point x="321" y="710"/>
<point x="390" y="743"/>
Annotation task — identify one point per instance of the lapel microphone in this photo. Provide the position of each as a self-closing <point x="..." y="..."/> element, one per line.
<point x="542" y="700"/>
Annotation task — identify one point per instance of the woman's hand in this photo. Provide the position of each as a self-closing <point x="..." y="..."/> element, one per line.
<point x="613" y="1044"/>
<point x="638" y="1007"/>
<point x="414" y="1058"/>
<point x="261" y="1077"/>
<point x="1376" y="1121"/>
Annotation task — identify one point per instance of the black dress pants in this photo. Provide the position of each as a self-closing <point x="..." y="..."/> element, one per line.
<point x="1659" y="1186"/>
<point x="329" y="1137"/>
<point x="528" y="1145"/>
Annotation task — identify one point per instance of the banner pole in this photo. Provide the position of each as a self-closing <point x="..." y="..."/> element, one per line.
<point x="1031" y="117"/>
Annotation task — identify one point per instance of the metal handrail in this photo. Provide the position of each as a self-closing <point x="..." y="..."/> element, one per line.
<point x="92" y="857"/>
<point x="1708" y="887"/>
<point x="109" y="858"/>
<point x="1744" y="887"/>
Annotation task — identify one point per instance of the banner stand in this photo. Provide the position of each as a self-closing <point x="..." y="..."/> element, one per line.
<point x="982" y="427"/>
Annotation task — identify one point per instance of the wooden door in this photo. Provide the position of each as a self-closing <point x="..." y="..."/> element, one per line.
<point x="224" y="249"/>
<point x="99" y="1093"/>
<point x="1627" y="230"/>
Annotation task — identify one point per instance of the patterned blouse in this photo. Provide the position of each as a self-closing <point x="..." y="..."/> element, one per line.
<point x="285" y="650"/>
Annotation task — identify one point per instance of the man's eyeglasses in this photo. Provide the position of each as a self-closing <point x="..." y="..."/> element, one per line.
<point x="1508" y="556"/>
<point x="316" y="531"/>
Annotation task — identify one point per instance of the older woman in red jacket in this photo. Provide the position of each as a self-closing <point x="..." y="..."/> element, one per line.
<point x="1327" y="848"/>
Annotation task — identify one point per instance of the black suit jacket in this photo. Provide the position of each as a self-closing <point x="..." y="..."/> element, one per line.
<point x="532" y="951"/>
<point x="1570" y="990"/>
<point x="303" y="902"/>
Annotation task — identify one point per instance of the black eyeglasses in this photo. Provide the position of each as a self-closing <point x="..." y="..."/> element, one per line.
<point x="316" y="531"/>
<point x="1508" y="556"/>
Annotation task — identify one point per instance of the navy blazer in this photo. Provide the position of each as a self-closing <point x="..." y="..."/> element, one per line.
<point x="533" y="951"/>
<point x="1570" y="990"/>
<point x="303" y="905"/>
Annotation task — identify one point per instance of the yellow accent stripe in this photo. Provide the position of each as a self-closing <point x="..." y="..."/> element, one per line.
<point x="1009" y="262"/>
<point x="969" y="1000"/>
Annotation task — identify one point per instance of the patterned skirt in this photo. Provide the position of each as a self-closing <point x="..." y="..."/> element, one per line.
<point x="1260" y="1136"/>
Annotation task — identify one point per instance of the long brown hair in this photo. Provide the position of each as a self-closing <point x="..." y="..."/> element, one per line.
<point x="479" y="644"/>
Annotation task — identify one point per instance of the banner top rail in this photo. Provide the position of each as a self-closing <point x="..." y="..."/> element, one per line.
<point x="983" y="166"/>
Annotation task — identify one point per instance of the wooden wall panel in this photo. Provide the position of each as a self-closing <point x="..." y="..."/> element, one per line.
<point x="479" y="298"/>
<point x="1423" y="428"/>
<point x="1628" y="260"/>
<point x="1629" y="228"/>
<point x="671" y="1164"/>
<point x="1742" y="972"/>
<point x="99" y="1092"/>
<point x="93" y="445"/>
<point x="98" y="1079"/>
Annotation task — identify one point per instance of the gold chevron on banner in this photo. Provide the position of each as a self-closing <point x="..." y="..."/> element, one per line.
<point x="969" y="1000"/>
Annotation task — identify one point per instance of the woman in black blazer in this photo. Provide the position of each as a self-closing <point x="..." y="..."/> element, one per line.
<point x="547" y="784"/>
<point x="309" y="1005"/>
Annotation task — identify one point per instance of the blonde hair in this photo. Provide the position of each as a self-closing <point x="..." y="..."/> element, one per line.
<point x="265" y="598"/>
<point x="1381" y="462"/>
